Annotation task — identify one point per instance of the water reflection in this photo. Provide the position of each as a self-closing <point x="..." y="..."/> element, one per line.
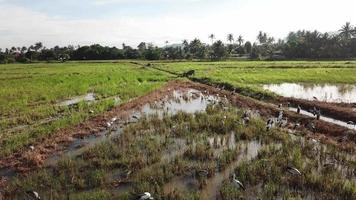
<point x="330" y="93"/>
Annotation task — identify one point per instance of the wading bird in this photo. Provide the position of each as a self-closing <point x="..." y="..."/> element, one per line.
<point x="312" y="126"/>
<point x="269" y="124"/>
<point x="202" y="173"/>
<point x="280" y="116"/>
<point x="283" y="122"/>
<point x="144" y="196"/>
<point x="237" y="183"/>
<point x="33" y="194"/>
<point x="32" y="148"/>
<point x="351" y="123"/>
<point x="114" y="119"/>
<point x="298" y="109"/>
<point x="293" y="171"/>
<point x="318" y="114"/>
<point x="268" y="127"/>
<point x="108" y="124"/>
<point x="245" y="118"/>
<point x="296" y="125"/>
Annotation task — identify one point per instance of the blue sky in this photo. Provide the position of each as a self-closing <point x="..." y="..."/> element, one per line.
<point x="112" y="22"/>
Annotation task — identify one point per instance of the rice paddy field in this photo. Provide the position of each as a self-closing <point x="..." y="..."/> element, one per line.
<point x="33" y="97"/>
<point x="114" y="130"/>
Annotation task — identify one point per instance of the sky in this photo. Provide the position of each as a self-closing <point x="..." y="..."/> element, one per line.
<point x="113" y="22"/>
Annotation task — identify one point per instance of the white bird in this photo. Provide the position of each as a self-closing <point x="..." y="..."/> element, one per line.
<point x="245" y="118"/>
<point x="33" y="194"/>
<point x="268" y="127"/>
<point x="32" y="148"/>
<point x="280" y="116"/>
<point x="202" y="173"/>
<point x="283" y="122"/>
<point x="108" y="124"/>
<point x="351" y="123"/>
<point x="293" y="171"/>
<point x="91" y="111"/>
<point x="144" y="196"/>
<point x="237" y="183"/>
<point x="269" y="124"/>
<point x="114" y="119"/>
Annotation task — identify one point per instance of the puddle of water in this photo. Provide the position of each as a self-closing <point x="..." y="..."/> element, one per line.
<point x="327" y="160"/>
<point x="222" y="142"/>
<point x="88" y="97"/>
<point x="341" y="93"/>
<point x="191" y="101"/>
<point x="327" y="119"/>
<point x="249" y="150"/>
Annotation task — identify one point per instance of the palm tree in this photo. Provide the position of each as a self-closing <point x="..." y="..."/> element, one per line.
<point x="38" y="46"/>
<point x="230" y="38"/>
<point x="166" y="42"/>
<point x="240" y="40"/>
<point x="262" y="37"/>
<point x="212" y="37"/>
<point x="347" y="31"/>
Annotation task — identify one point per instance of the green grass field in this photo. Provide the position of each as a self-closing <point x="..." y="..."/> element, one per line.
<point x="30" y="94"/>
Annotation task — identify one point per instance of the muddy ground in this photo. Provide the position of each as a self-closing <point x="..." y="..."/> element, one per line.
<point x="27" y="159"/>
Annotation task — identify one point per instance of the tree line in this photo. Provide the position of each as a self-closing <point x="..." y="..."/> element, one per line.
<point x="297" y="45"/>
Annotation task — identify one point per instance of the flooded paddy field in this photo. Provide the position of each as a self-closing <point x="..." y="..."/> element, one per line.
<point x="56" y="96"/>
<point x="191" y="141"/>
<point x="340" y="93"/>
<point x="219" y="136"/>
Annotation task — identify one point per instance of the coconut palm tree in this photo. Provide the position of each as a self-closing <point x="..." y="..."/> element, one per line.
<point x="240" y="40"/>
<point x="230" y="38"/>
<point x="38" y="46"/>
<point x="212" y="37"/>
<point x="347" y="31"/>
<point x="262" y="37"/>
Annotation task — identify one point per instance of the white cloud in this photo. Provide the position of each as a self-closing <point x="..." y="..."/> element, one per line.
<point x="20" y="26"/>
<point x="104" y="2"/>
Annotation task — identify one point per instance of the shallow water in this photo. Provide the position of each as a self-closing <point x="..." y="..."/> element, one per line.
<point x="248" y="151"/>
<point x="339" y="93"/>
<point x="327" y="119"/>
<point x="191" y="101"/>
<point x="88" y="97"/>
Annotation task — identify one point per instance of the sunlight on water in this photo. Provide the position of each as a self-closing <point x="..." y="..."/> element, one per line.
<point x="326" y="92"/>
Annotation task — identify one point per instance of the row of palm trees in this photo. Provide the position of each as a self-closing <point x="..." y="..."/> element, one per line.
<point x="230" y="38"/>
<point x="347" y="31"/>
